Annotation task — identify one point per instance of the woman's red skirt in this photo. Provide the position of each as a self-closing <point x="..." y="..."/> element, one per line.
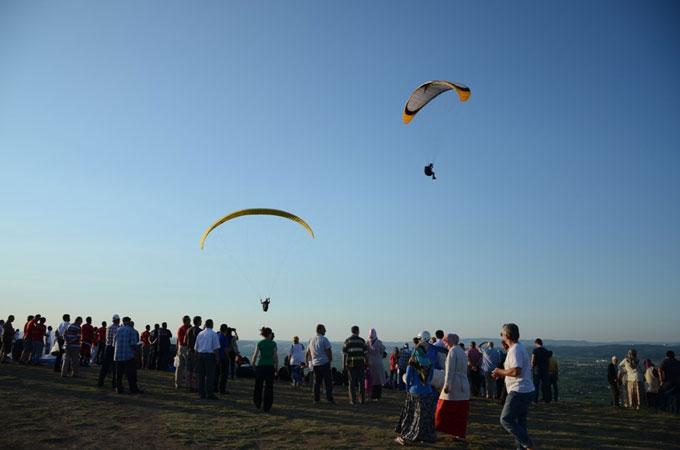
<point x="451" y="417"/>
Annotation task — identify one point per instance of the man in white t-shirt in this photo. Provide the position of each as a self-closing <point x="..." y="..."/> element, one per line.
<point x="517" y="373"/>
<point x="319" y="355"/>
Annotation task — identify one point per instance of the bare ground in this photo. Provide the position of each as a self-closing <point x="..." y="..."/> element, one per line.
<point x="43" y="410"/>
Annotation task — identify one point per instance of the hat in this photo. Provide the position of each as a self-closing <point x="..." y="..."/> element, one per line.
<point x="424" y="335"/>
<point x="116" y="317"/>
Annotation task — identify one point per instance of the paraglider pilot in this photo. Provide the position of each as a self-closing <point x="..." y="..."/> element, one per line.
<point x="265" y="304"/>
<point x="429" y="171"/>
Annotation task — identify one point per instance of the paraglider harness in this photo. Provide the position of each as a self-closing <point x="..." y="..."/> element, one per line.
<point x="265" y="304"/>
<point x="429" y="171"/>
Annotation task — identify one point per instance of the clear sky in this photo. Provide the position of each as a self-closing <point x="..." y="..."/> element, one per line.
<point x="127" y="127"/>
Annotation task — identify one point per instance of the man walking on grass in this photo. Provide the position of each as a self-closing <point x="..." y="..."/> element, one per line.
<point x="517" y="373"/>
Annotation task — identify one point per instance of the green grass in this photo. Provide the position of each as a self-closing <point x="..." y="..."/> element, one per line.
<point x="43" y="410"/>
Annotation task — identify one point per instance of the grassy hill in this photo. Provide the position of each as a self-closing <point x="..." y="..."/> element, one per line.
<point x="42" y="410"/>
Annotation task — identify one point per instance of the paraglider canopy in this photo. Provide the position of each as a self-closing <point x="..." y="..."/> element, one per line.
<point x="427" y="92"/>
<point x="256" y="211"/>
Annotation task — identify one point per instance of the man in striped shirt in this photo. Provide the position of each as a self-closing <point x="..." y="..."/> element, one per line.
<point x="354" y="360"/>
<point x="107" y="363"/>
<point x="72" y="341"/>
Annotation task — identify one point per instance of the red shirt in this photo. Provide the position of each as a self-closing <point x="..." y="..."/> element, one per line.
<point x="36" y="332"/>
<point x="26" y="325"/>
<point x="102" y="335"/>
<point x="87" y="333"/>
<point x="182" y="335"/>
<point x="145" y="338"/>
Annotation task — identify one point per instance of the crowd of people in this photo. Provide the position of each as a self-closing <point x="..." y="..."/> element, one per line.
<point x="438" y="374"/>
<point x="634" y="384"/>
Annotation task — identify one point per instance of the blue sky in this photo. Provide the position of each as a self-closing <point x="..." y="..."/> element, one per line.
<point x="126" y="128"/>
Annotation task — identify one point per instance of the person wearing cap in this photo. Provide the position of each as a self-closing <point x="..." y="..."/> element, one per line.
<point x="126" y="346"/>
<point x="108" y="363"/>
<point x="207" y="348"/>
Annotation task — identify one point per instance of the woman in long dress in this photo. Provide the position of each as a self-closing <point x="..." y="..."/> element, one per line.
<point x="376" y="353"/>
<point x="453" y="407"/>
<point x="416" y="422"/>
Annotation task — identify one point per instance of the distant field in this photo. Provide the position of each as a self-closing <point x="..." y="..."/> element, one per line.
<point x="42" y="410"/>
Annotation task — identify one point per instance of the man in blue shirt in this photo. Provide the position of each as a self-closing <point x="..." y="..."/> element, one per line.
<point x="491" y="359"/>
<point x="125" y="344"/>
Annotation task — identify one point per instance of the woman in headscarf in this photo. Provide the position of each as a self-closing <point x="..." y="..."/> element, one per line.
<point x="631" y="368"/>
<point x="416" y="423"/>
<point x="375" y="355"/>
<point x="453" y="407"/>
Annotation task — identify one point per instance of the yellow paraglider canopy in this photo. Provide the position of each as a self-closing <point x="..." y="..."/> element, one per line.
<point x="428" y="91"/>
<point x="256" y="212"/>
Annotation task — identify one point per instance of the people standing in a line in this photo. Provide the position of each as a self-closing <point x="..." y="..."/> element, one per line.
<point x="72" y="343"/>
<point x="126" y="344"/>
<point x="631" y="367"/>
<point x="453" y="406"/>
<point x="376" y="354"/>
<point x="553" y="377"/>
<point x="222" y="372"/>
<point x="669" y="372"/>
<point x="320" y="356"/>
<point x="182" y="354"/>
<point x="416" y="422"/>
<point x="517" y="374"/>
<point x="146" y="346"/>
<point x="86" y="338"/>
<point x="207" y="349"/>
<point x="539" y="361"/>
<point x="490" y="360"/>
<point x="296" y="359"/>
<point x="192" y="360"/>
<point x="266" y="362"/>
<point x="354" y="354"/>
<point x="652" y="384"/>
<point x="108" y="363"/>
<point x="101" y="343"/>
<point x="164" y="343"/>
<point x="7" y="339"/>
